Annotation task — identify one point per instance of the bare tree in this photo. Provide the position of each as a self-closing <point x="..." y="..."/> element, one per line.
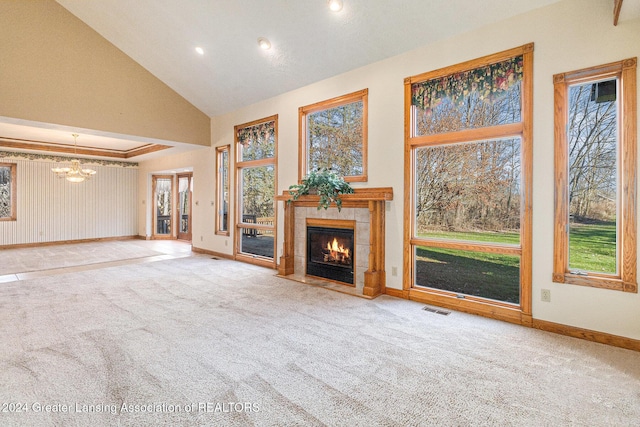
<point x="335" y="139"/>
<point x="592" y="138"/>
<point x="473" y="186"/>
<point x="5" y="192"/>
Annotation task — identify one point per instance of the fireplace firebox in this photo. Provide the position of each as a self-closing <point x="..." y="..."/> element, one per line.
<point x="330" y="253"/>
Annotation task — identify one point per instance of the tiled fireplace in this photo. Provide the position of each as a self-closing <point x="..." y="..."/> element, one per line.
<point x="330" y="250"/>
<point x="355" y="260"/>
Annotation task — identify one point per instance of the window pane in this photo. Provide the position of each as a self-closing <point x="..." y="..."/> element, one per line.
<point x="223" y="190"/>
<point x="469" y="191"/>
<point x="5" y="191"/>
<point x="593" y="169"/>
<point x="184" y="193"/>
<point x="481" y="274"/>
<point x="257" y="142"/>
<point x="257" y="198"/>
<point x="163" y="205"/>
<point x="485" y="96"/>
<point x="335" y="139"/>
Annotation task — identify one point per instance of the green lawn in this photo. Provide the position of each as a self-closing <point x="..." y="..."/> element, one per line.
<point x="475" y="236"/>
<point x="482" y="274"/>
<point x="592" y="247"/>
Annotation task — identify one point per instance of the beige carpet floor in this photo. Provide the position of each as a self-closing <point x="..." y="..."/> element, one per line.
<point x="203" y="342"/>
<point x="23" y="260"/>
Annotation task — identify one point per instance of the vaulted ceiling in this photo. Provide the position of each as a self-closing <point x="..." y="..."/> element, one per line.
<point x="309" y="43"/>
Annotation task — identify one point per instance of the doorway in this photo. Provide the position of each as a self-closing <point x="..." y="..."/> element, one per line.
<point x="162" y="209"/>
<point x="185" y="191"/>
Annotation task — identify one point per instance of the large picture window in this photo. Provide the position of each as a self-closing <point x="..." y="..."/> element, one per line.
<point x="256" y="147"/>
<point x="468" y="185"/>
<point x="7" y="191"/>
<point x="333" y="134"/>
<point x="595" y="137"/>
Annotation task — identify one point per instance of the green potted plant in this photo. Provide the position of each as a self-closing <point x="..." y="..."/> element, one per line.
<point x="326" y="184"/>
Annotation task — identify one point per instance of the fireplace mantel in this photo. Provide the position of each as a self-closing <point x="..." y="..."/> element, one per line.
<point x="360" y="198"/>
<point x="372" y="198"/>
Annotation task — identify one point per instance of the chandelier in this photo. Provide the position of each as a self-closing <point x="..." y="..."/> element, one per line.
<point x="75" y="172"/>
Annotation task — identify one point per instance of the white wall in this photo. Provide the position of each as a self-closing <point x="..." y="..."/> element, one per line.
<point x="569" y="35"/>
<point x="51" y="209"/>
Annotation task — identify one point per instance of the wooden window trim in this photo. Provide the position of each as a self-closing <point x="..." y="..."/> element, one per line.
<point x="220" y="190"/>
<point x="496" y="248"/>
<point x="14" y="185"/>
<point x="524" y="129"/>
<point x="238" y="165"/>
<point x="463" y="136"/>
<point x="361" y="95"/>
<point x="626" y="279"/>
<point x="154" y="208"/>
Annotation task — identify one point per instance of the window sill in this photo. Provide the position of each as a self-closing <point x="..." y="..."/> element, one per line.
<point x="612" y="283"/>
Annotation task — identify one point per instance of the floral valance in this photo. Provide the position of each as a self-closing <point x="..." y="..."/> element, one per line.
<point x="486" y="82"/>
<point x="53" y="158"/>
<point x="261" y="131"/>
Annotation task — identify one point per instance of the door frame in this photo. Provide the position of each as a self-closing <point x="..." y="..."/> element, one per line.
<point x="184" y="236"/>
<point x="154" y="208"/>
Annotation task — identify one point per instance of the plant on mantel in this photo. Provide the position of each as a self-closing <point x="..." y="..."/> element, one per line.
<point x="326" y="184"/>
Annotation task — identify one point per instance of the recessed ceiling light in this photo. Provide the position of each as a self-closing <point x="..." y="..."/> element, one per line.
<point x="200" y="50"/>
<point x="264" y="43"/>
<point x="335" y="5"/>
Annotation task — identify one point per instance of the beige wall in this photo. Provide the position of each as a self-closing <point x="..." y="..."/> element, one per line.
<point x="570" y="35"/>
<point x="55" y="69"/>
<point x="202" y="162"/>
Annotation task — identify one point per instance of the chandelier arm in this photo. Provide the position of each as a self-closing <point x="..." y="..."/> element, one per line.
<point x="75" y="172"/>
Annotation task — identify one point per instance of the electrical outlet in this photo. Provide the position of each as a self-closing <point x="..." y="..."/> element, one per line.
<point x="394" y="271"/>
<point x="226" y="243"/>
<point x="545" y="295"/>
<point x="201" y="238"/>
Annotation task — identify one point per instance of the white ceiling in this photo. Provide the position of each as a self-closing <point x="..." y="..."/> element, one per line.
<point x="310" y="43"/>
<point x="35" y="137"/>
<point x="60" y="137"/>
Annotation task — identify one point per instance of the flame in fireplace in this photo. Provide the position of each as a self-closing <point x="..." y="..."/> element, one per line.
<point x="338" y="252"/>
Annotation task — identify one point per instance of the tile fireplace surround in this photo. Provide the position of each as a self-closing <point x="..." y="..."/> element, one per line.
<point x="367" y="208"/>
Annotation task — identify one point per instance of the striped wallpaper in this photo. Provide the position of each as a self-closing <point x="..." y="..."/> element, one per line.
<point x="52" y="209"/>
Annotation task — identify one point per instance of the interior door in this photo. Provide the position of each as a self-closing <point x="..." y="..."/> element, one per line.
<point x="162" y="206"/>
<point x="185" y="189"/>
